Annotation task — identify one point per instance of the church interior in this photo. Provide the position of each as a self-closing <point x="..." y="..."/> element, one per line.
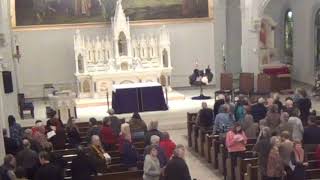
<point x="160" y="89"/>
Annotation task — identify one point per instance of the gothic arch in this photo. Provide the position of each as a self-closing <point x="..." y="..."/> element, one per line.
<point x="165" y="58"/>
<point x="126" y="82"/>
<point x="123" y="44"/>
<point x="80" y="63"/>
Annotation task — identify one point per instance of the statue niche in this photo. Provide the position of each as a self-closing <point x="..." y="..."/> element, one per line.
<point x="165" y="58"/>
<point x="122" y="44"/>
<point x="80" y="64"/>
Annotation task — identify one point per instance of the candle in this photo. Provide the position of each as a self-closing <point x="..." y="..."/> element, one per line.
<point x="223" y="50"/>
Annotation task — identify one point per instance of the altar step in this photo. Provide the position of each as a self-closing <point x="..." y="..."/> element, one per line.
<point x="92" y="102"/>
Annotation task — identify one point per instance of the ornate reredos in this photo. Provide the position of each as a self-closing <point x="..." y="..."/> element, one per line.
<point x="120" y="23"/>
<point x="118" y="57"/>
<point x="119" y="51"/>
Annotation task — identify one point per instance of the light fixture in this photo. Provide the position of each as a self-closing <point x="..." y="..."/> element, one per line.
<point x="290" y="14"/>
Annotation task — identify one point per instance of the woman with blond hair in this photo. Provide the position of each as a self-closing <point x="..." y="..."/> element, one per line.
<point x="128" y="153"/>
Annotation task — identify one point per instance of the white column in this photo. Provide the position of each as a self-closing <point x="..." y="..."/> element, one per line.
<point x="250" y="37"/>
<point x="219" y="36"/>
<point x="8" y="102"/>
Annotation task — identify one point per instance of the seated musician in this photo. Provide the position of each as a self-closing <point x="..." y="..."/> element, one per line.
<point x="205" y="116"/>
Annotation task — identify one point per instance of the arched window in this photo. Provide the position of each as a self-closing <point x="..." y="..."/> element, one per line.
<point x="288" y="36"/>
<point x="317" y="41"/>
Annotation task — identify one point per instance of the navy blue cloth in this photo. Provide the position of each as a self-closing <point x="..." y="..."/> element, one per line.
<point x="130" y="156"/>
<point x="258" y="112"/>
<point x="311" y="135"/>
<point x="138" y="100"/>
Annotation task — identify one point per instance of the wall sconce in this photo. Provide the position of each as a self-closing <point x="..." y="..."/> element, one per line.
<point x="17" y="54"/>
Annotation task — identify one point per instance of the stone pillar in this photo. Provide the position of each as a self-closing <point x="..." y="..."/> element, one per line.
<point x="8" y="102"/>
<point x="219" y="37"/>
<point x="250" y="36"/>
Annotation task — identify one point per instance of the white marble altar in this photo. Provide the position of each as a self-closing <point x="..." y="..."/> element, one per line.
<point x="120" y="58"/>
<point x="63" y="102"/>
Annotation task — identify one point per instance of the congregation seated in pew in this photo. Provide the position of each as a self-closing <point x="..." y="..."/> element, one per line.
<point x="293" y="154"/>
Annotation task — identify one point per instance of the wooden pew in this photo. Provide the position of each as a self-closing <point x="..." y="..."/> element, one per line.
<point x="313" y="173"/>
<point x="222" y="156"/>
<point x="194" y="137"/>
<point x="190" y="122"/>
<point x="208" y="141"/>
<point x="252" y="173"/>
<point x="214" y="151"/>
<point x="241" y="167"/>
<point x="126" y="175"/>
<point x="202" y="132"/>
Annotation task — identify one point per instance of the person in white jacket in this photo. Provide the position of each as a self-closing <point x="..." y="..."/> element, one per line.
<point x="297" y="127"/>
<point x="151" y="168"/>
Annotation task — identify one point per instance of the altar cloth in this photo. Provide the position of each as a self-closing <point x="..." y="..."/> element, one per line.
<point x="138" y="97"/>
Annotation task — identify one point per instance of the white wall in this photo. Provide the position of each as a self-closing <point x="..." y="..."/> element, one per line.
<point x="303" y="14"/>
<point x="48" y="55"/>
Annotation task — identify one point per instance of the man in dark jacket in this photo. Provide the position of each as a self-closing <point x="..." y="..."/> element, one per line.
<point x="177" y="168"/>
<point x="311" y="135"/>
<point x="81" y="167"/>
<point x="28" y="159"/>
<point x="10" y="145"/>
<point x="205" y="116"/>
<point x="259" y="110"/>
<point x="219" y="102"/>
<point x="48" y="170"/>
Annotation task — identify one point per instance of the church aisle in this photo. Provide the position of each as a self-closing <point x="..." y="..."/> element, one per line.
<point x="199" y="169"/>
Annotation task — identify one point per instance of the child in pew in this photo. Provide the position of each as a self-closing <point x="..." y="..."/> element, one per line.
<point x="236" y="141"/>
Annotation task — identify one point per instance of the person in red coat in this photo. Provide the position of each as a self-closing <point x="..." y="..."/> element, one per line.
<point x="108" y="137"/>
<point x="167" y="145"/>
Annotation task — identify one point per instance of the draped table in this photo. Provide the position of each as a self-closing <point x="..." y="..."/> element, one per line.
<point x="138" y="97"/>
